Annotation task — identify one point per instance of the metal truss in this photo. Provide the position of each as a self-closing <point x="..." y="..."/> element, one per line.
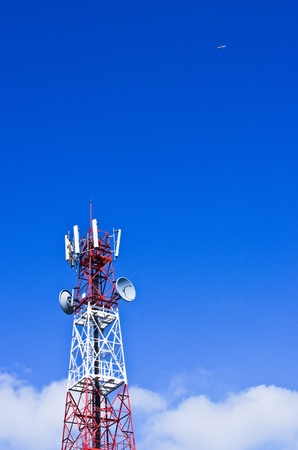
<point x="96" y="350"/>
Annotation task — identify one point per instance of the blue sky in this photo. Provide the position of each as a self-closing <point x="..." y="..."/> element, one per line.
<point x="191" y="150"/>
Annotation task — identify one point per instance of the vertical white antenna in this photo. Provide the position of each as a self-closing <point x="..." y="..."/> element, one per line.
<point x="118" y="243"/>
<point x="68" y="249"/>
<point x="76" y="239"/>
<point x="95" y="233"/>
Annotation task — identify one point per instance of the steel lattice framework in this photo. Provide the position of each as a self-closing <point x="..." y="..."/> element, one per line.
<point x="97" y="410"/>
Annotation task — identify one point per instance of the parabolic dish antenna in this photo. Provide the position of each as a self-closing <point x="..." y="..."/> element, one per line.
<point x="65" y="300"/>
<point x="125" y="289"/>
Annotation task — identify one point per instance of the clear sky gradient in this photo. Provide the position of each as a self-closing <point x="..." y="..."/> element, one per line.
<point x="190" y="149"/>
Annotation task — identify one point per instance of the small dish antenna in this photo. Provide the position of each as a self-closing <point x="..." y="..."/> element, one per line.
<point x="66" y="302"/>
<point x="125" y="289"/>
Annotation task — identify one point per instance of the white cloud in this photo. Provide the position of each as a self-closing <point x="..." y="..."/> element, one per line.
<point x="259" y="418"/>
<point x="145" y="401"/>
<point x="29" y="419"/>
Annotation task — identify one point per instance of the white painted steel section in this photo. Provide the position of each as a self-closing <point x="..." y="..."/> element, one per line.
<point x="96" y="349"/>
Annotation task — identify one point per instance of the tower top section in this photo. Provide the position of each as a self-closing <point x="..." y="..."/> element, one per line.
<point x="94" y="242"/>
<point x="92" y="257"/>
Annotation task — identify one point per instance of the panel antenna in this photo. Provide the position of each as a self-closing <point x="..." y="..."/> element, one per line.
<point x="117" y="243"/>
<point x="95" y="233"/>
<point x="76" y="239"/>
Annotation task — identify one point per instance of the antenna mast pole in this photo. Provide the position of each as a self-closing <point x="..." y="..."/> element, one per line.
<point x="90" y="212"/>
<point x="97" y="410"/>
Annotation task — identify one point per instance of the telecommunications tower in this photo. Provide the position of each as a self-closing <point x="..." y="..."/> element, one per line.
<point x="97" y="410"/>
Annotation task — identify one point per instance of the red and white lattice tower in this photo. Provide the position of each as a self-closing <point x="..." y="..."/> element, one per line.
<point x="97" y="410"/>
